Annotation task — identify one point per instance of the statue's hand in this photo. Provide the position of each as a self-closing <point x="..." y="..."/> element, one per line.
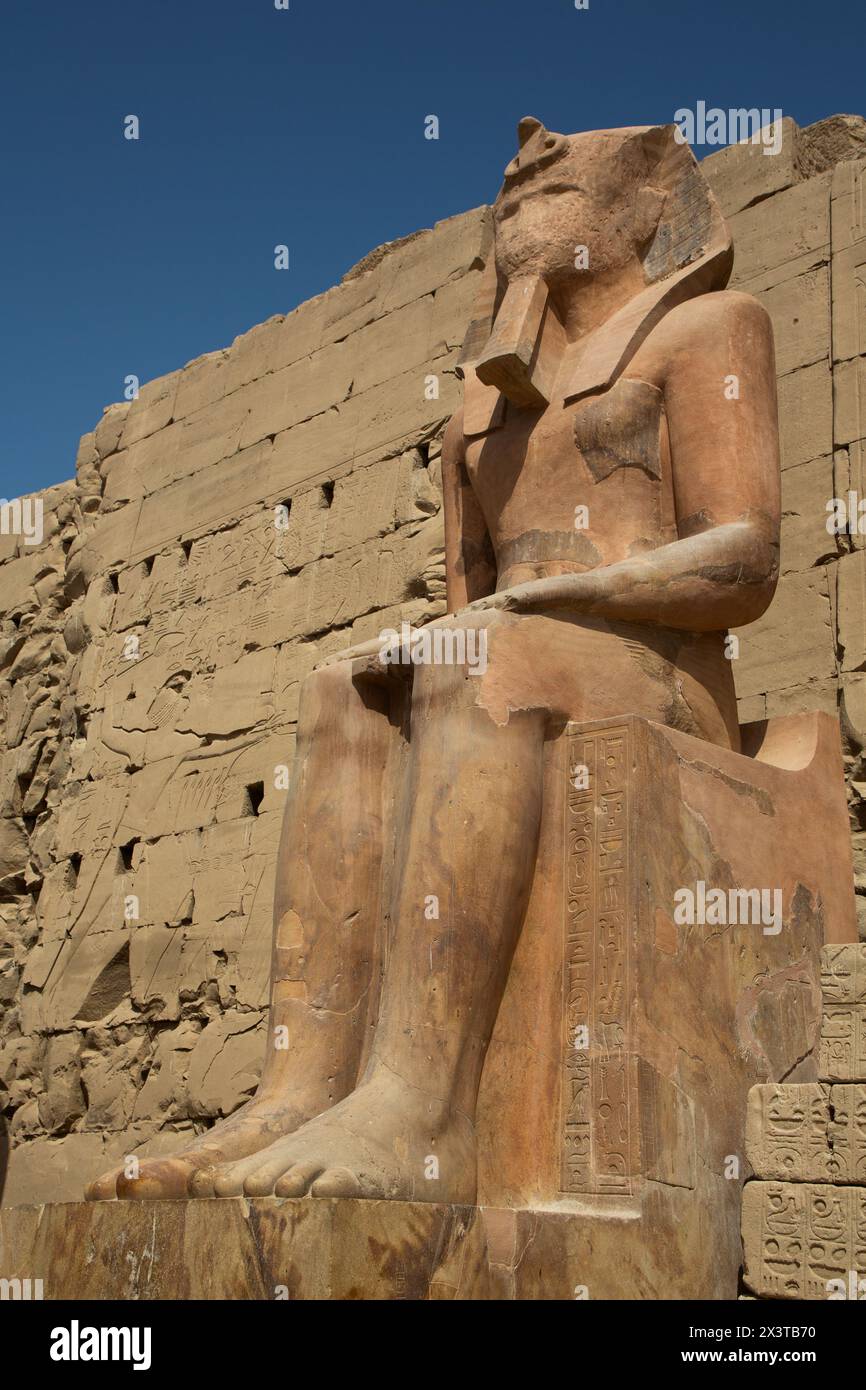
<point x="374" y="648"/>
<point x="577" y="592"/>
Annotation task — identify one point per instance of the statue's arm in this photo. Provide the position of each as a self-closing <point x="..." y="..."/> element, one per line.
<point x="720" y="398"/>
<point x="470" y="567"/>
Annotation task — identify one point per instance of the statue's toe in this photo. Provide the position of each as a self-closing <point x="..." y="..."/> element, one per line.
<point x="296" y="1181"/>
<point x="337" y="1182"/>
<point x="160" y="1179"/>
<point x="103" y="1188"/>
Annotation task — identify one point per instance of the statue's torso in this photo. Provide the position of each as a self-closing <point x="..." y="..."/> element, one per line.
<point x="576" y="485"/>
<point x="589" y="483"/>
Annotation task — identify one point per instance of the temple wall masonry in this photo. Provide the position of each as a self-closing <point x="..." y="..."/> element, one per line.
<point x="246" y="516"/>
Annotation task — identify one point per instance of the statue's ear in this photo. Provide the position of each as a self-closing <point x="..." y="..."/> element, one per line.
<point x="648" y="210"/>
<point x="679" y="218"/>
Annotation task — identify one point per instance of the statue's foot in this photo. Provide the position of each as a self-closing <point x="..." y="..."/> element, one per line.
<point x="255" y="1126"/>
<point x="387" y="1139"/>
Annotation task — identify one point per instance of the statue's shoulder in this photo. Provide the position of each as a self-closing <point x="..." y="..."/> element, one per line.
<point x="700" y="320"/>
<point x="710" y="329"/>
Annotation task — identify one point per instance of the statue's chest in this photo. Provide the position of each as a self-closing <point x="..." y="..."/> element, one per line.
<point x="621" y="430"/>
<point x="602" y="451"/>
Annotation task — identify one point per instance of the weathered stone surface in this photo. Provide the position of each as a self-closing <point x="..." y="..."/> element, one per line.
<point x="850" y="575"/>
<point x="154" y="873"/>
<point x="850" y="414"/>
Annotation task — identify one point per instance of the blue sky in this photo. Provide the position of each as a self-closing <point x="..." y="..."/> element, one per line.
<point x="306" y="127"/>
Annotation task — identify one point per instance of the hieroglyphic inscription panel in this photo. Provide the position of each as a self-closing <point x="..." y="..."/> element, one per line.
<point x="798" y="1237"/>
<point x="810" y="1132"/>
<point x="598" y="1107"/>
<point x="842" y="1050"/>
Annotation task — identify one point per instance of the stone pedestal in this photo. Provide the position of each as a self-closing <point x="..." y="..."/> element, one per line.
<point x="311" y="1248"/>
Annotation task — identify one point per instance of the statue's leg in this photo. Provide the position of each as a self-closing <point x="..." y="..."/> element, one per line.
<point x="466" y="847"/>
<point x="327" y="911"/>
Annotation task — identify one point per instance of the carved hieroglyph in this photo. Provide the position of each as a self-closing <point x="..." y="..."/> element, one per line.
<point x="599" y="1109"/>
<point x="802" y="1237"/>
<point x="843" y="1032"/>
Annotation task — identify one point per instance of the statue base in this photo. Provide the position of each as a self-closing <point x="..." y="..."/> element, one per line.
<point x="322" y="1248"/>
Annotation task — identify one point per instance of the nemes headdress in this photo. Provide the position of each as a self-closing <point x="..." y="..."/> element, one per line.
<point x="515" y="347"/>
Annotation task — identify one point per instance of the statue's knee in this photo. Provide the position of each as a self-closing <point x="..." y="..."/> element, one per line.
<point x="325" y="691"/>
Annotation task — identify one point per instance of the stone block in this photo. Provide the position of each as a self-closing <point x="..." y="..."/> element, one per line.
<point x="793" y="224"/>
<point x="742" y="174"/>
<point x="225" y="1063"/>
<point x="181" y="450"/>
<point x="850" y="576"/>
<point x="806" y="414"/>
<point x="803" y="1240"/>
<point x="110" y="427"/>
<point x="793" y="644"/>
<point x="799" y="308"/>
<point x="276" y="343"/>
<point x="152" y="410"/>
<point x="201" y="384"/>
<point x="849" y="260"/>
<point x="336" y="1250"/>
<point x="298" y="392"/>
<point x="849" y="384"/>
<point x="808" y="1133"/>
<point x="820" y="696"/>
<point x="806" y="490"/>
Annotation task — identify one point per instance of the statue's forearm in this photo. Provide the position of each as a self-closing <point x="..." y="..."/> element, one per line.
<point x="721" y="578"/>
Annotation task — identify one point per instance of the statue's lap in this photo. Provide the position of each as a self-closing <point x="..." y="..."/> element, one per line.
<point x="579" y="668"/>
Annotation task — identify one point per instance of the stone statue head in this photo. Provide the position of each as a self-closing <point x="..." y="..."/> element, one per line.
<point x="626" y="208"/>
<point x="629" y="196"/>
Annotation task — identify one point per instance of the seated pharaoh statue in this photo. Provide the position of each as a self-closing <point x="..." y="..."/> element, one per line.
<point x="611" y="497"/>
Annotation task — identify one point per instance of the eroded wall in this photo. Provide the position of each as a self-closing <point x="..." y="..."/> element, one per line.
<point x="153" y="646"/>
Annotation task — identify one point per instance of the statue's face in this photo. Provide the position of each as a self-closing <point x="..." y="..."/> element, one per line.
<point x="562" y="193"/>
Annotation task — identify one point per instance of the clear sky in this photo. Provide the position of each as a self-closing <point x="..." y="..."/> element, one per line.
<point x="305" y="126"/>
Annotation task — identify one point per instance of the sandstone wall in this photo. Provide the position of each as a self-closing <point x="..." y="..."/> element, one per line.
<point x="799" y="227"/>
<point x="153" y="646"/>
